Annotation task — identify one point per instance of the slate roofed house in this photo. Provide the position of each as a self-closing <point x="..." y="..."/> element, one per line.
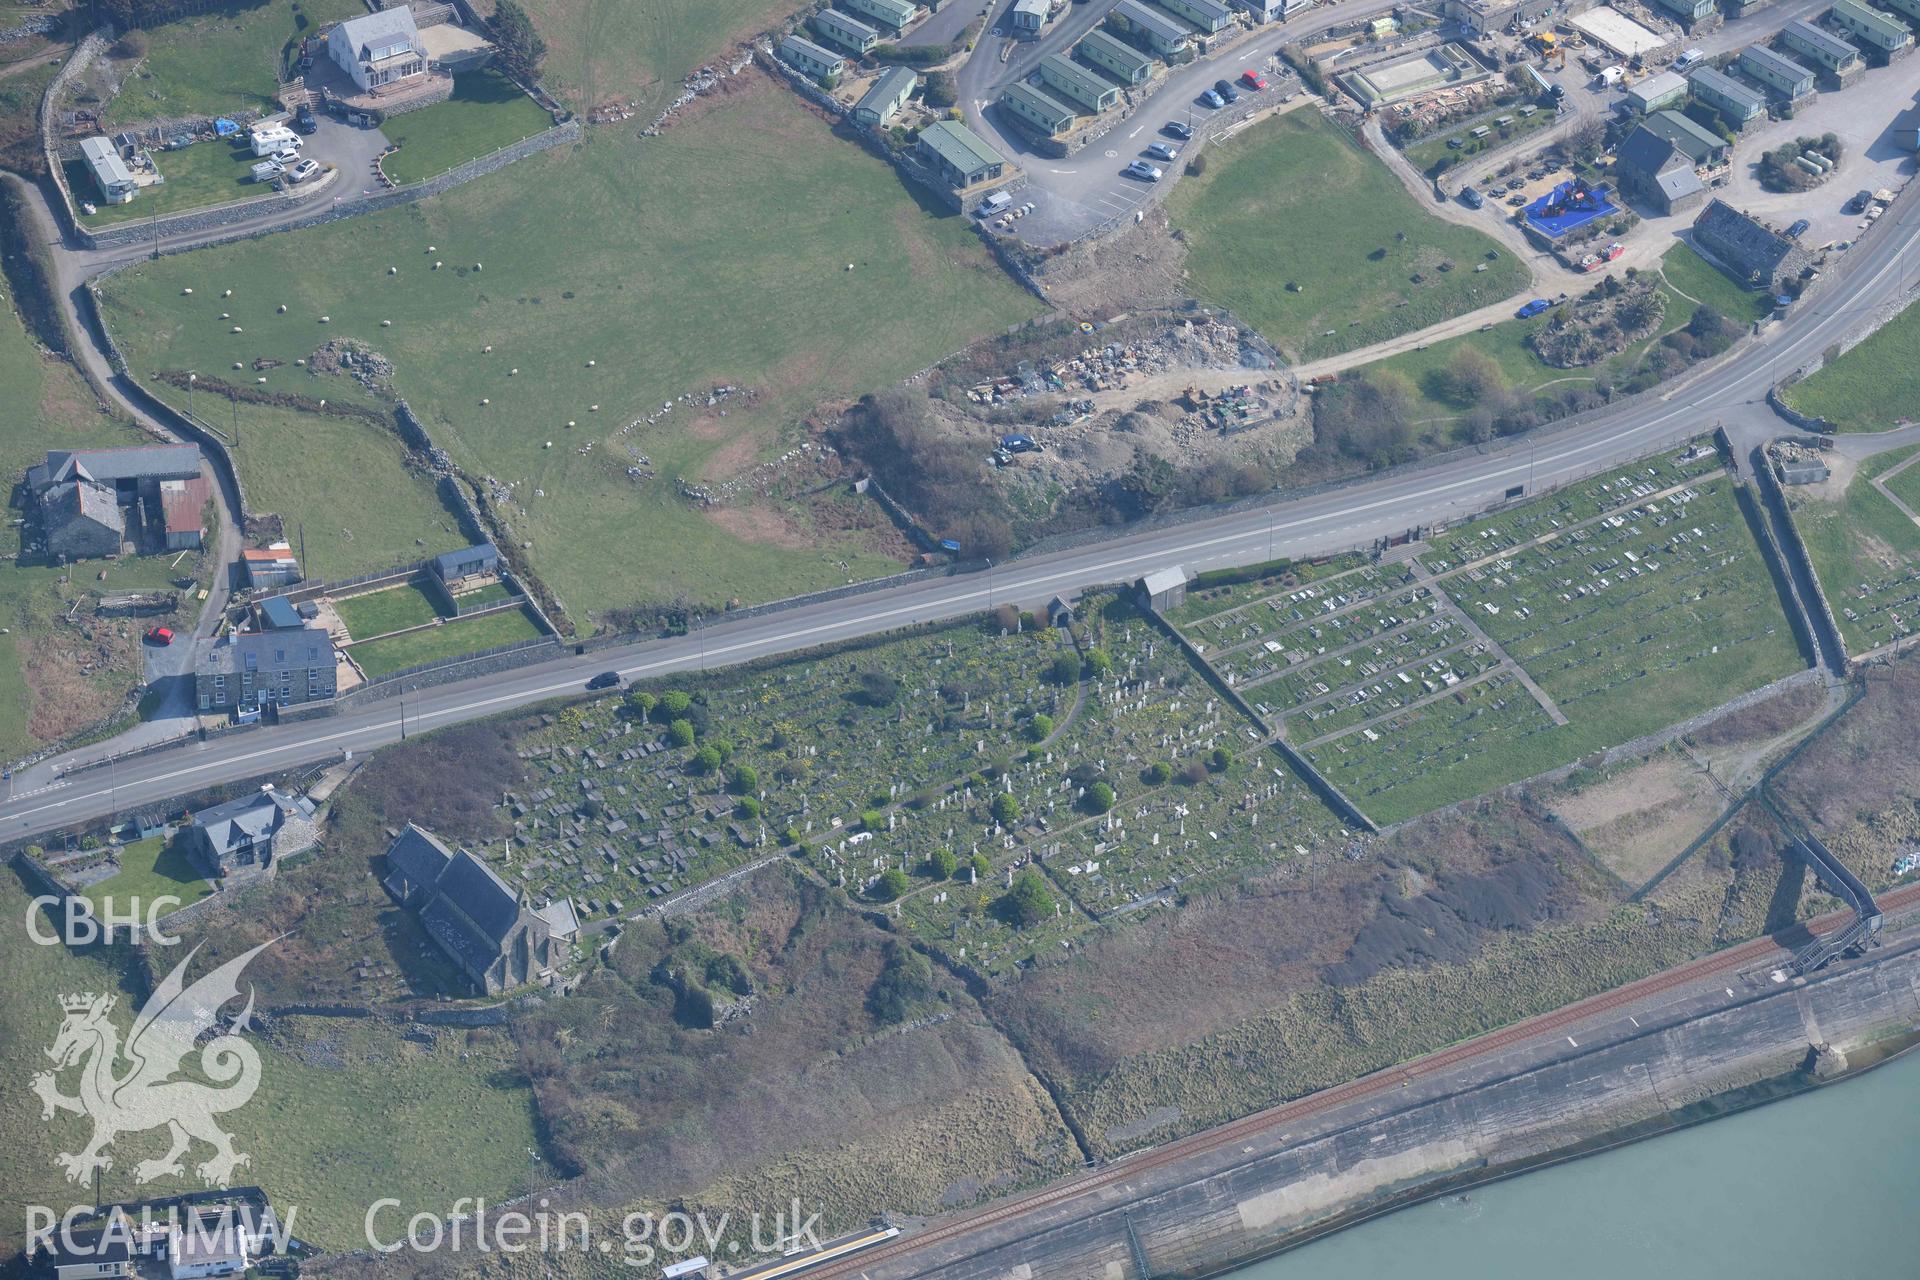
<point x="811" y="59"/>
<point x="81" y="521"/>
<point x="482" y="923"/>
<point x="962" y="159"/>
<point x="378" y="49"/>
<point x="112" y="179"/>
<point x="254" y="669"/>
<point x="1737" y="104"/>
<point x="250" y="836"/>
<point x="888" y="95"/>
<point x="1749" y="250"/>
<point x="123" y="469"/>
<point x="208" y="1246"/>
<point x="1701" y="145"/>
<point x="92" y="1254"/>
<point x="468" y="562"/>
<point x="845" y="31"/>
<point x="1654" y="171"/>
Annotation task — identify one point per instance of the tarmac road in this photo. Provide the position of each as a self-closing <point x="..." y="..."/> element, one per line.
<point x="1859" y="290"/>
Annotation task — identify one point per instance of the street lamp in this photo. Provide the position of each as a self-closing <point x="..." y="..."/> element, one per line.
<point x="191" y="379"/>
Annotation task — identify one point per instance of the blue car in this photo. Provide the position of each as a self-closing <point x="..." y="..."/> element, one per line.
<point x="1213" y="99"/>
<point x="1534" y="308"/>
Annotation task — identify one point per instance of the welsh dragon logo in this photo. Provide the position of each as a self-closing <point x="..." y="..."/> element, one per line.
<point x="151" y="1092"/>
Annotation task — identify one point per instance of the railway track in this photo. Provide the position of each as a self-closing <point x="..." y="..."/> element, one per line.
<point x="1378" y="1084"/>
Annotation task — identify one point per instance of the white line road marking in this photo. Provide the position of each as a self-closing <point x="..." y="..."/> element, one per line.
<point x="1635" y="1021"/>
<point x="1136" y="131"/>
<point x="1729" y="990"/>
<point x="1573" y="1042"/>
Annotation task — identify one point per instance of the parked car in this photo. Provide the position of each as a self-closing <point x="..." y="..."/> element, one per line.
<point x="285" y="158"/>
<point x="1471" y="198"/>
<point x="605" y="680"/>
<point x="1454" y="144"/>
<point x="1213" y="99"/>
<point x="1253" y="80"/>
<point x="1164" y="151"/>
<point x="162" y="636"/>
<point x="1533" y="308"/>
<point x="304" y="120"/>
<point x="1860" y="201"/>
<point x="1174" y="128"/>
<point x="1226" y="91"/>
<point x="1514" y="184"/>
<point x="1143" y="171"/>
<point x="304" y="170"/>
<point x="1798" y="229"/>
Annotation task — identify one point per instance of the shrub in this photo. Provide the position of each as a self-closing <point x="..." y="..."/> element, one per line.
<point x="941" y="90"/>
<point x="641" y="703"/>
<point x="749" y="807"/>
<point x="891" y="884"/>
<point x="878" y="688"/>
<point x="706" y="760"/>
<point x="680" y="733"/>
<point x="1027" y="902"/>
<point x="873" y="820"/>
<point x="1100" y="797"/>
<point x="1099" y="662"/>
<point x="1006" y="810"/>
<point x="1159" y="773"/>
<point x="745" y="779"/>
<point x="1064" y="669"/>
<point x="979" y="865"/>
<point x="1040" y="728"/>
<point x="674" y="704"/>
<point x="942" y="863"/>
<point x="1219" y="759"/>
<point x="906" y="981"/>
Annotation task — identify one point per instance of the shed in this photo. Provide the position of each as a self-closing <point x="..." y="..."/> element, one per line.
<point x="1165" y="588"/>
<point x="1028" y="16"/>
<point x="278" y="614"/>
<point x="450" y="566"/>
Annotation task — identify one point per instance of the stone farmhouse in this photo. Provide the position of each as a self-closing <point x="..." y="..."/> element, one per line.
<point x="247" y="838"/>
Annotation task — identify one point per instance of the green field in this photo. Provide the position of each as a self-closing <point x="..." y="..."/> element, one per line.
<point x="600" y="52"/>
<point x="221" y="62"/>
<point x="1293" y="201"/>
<point x="1871" y="387"/>
<point x="206" y="173"/>
<point x="454" y="1118"/>
<point x="451" y="640"/>
<point x="487" y="112"/>
<point x="378" y="612"/>
<point x="150" y="869"/>
<point x="1688" y="280"/>
<point x="593" y="254"/>
<point x="1866" y="552"/>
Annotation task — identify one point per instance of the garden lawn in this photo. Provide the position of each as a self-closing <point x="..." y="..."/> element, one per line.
<point x="378" y="612"/>
<point x="487" y="112"/>
<point x="1871" y="387"/>
<point x="450" y="640"/>
<point x="207" y="173"/>
<point x="221" y="62"/>
<point x="599" y="52"/>
<point x="151" y="869"/>
<point x="713" y="255"/>
<point x="1866" y="552"/>
<point x="1294" y="201"/>
<point x="1692" y="276"/>
<point x="1432" y="156"/>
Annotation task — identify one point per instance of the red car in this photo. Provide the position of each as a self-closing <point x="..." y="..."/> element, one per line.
<point x="1253" y="80"/>
<point x="160" y="636"/>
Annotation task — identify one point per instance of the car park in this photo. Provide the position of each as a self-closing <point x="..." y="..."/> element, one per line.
<point x="1174" y="128"/>
<point x="1533" y="308"/>
<point x="1226" y="91"/>
<point x="1253" y="80"/>
<point x="605" y="680"/>
<point x="1163" y="151"/>
<point x="1143" y="171"/>
<point x="1213" y="99"/>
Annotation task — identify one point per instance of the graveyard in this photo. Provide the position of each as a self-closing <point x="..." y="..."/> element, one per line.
<point x="1865" y="549"/>
<point x="1511" y="644"/>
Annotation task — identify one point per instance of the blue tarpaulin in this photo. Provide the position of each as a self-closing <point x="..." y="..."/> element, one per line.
<point x="224" y="127"/>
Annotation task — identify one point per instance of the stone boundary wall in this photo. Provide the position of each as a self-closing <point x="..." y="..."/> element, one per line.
<point x="1776" y="500"/>
<point x="89" y="48"/>
<point x="1777" y="403"/>
<point x="227" y="217"/>
<point x="1778" y="569"/>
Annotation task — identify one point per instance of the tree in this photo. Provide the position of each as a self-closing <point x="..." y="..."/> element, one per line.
<point x="680" y="733"/>
<point x="641" y="703"/>
<point x="942" y="90"/>
<point x="748" y="807"/>
<point x="1064" y="669"/>
<point x="1027" y="901"/>
<point x="674" y="704"/>
<point x="706" y="760"/>
<point x="521" y="47"/>
<point x="891" y="884"/>
<point x="979" y="865"/>
<point x="1219" y="759"/>
<point x="1040" y="728"/>
<point x="1006" y="810"/>
<point x="942" y="863"/>
<point x="1099" y="662"/>
<point x="1368" y="417"/>
<point x="1100" y="797"/>
<point x="1159" y="772"/>
<point x="1470" y="378"/>
<point x="744" y="779"/>
<point x="873" y="820"/>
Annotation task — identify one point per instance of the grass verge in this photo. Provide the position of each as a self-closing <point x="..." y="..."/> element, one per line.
<point x="487" y="112"/>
